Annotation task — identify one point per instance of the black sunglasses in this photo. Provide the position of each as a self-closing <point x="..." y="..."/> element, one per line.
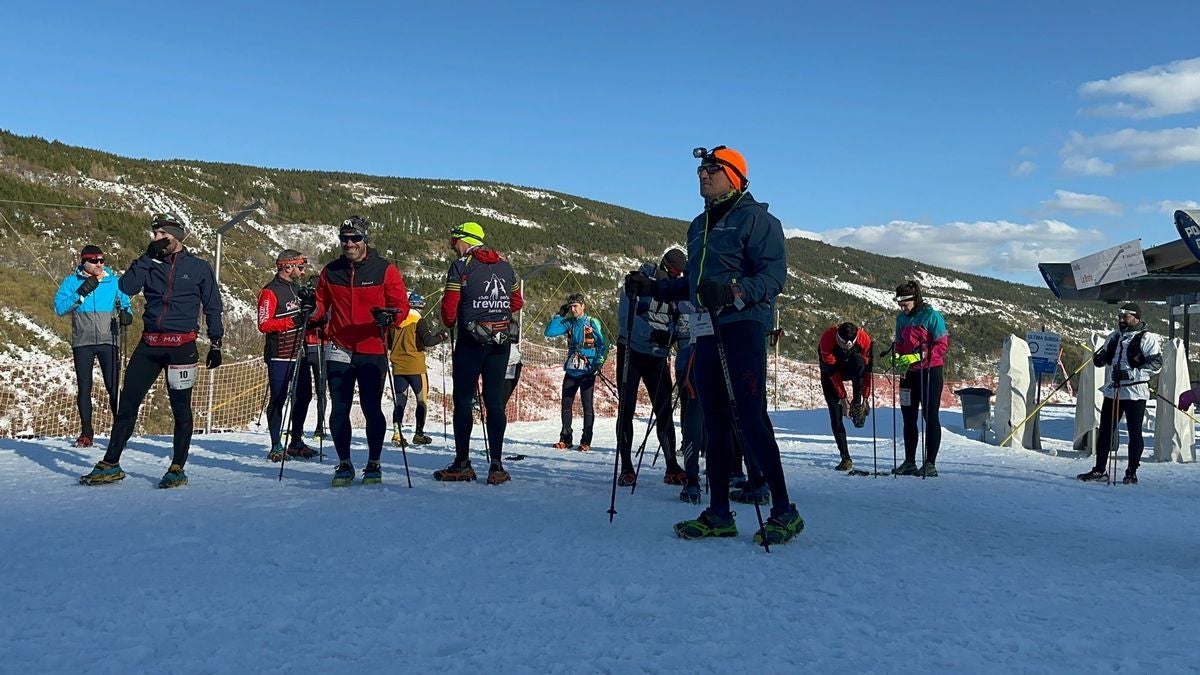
<point x="710" y="169"/>
<point x="96" y="261"/>
<point x="350" y="237"/>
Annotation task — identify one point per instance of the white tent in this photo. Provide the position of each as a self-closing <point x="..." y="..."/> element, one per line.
<point x="1174" y="432"/>
<point x="1015" y="396"/>
<point x="1087" y="403"/>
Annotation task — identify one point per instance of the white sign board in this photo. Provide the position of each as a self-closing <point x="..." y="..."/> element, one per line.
<point x="1043" y="351"/>
<point x="1110" y="265"/>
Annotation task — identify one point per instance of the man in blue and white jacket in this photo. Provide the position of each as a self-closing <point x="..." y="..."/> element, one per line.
<point x="97" y="306"/>
<point x="587" y="349"/>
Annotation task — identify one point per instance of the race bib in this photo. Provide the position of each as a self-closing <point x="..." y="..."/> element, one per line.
<point x="905" y="396"/>
<point x="702" y="325"/>
<point x="181" y="377"/>
<point x="336" y="354"/>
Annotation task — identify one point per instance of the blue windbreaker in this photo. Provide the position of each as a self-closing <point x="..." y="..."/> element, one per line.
<point x="91" y="317"/>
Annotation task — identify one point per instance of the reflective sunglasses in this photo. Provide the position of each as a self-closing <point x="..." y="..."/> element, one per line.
<point x="710" y="169"/>
<point x="344" y="238"/>
<point x="95" y="260"/>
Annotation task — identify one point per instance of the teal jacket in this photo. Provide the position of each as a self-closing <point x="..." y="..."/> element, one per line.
<point x="745" y="247"/>
<point x="586" y="346"/>
<point x="91" y="317"/>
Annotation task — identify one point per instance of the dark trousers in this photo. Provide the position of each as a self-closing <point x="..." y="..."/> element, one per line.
<point x="110" y="370"/>
<point x="403" y="383"/>
<point x="925" y="392"/>
<point x="473" y="361"/>
<point x="145" y="365"/>
<point x="314" y="362"/>
<point x="746" y="353"/>
<point x="279" y="379"/>
<point x="368" y="372"/>
<point x="1109" y="437"/>
<point x="654" y="372"/>
<point x="851" y="372"/>
<point x="586" y="386"/>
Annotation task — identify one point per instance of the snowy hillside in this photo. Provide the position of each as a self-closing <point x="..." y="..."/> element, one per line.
<point x="1003" y="564"/>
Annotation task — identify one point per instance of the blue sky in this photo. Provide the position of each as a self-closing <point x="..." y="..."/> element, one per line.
<point x="981" y="138"/>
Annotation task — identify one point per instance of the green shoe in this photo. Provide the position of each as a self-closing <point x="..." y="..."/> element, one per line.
<point x="927" y="470"/>
<point x="373" y="474"/>
<point x="845" y="465"/>
<point x="174" y="477"/>
<point x="707" y="525"/>
<point x="420" y="438"/>
<point x="908" y="468"/>
<point x="103" y="473"/>
<point x="343" y="475"/>
<point x="780" y="529"/>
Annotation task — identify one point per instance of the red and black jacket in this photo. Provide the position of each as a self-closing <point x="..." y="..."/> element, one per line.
<point x="349" y="291"/>
<point x="278" y="305"/>
<point x="833" y="357"/>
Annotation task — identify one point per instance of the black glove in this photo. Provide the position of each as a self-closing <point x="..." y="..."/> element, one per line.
<point x="214" y="356"/>
<point x="441" y="337"/>
<point x="660" y="337"/>
<point x="158" y="248"/>
<point x="300" y="320"/>
<point x="383" y="318"/>
<point x="1137" y="360"/>
<point x="714" y="296"/>
<point x="308" y="305"/>
<point x="1120" y="375"/>
<point x="126" y="318"/>
<point x="638" y="285"/>
<point x="563" y="310"/>
<point x="89" y="284"/>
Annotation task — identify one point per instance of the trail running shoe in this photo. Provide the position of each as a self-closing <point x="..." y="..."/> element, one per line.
<point x="562" y="445"/>
<point x="1093" y="476"/>
<point x="690" y="494"/>
<point x="845" y="465"/>
<point x="497" y="475"/>
<point x="1130" y="478"/>
<point x="84" y="441"/>
<point x="372" y="474"/>
<point x="102" y="474"/>
<point x="675" y="475"/>
<point x="301" y="451"/>
<point x="907" y="468"/>
<point x="275" y="454"/>
<point x="398" y="439"/>
<point x="584" y="447"/>
<point x="455" y="472"/>
<point x="707" y="525"/>
<point x="419" y="438"/>
<point x="173" y="478"/>
<point x="927" y="470"/>
<point x="343" y="475"/>
<point x="760" y="495"/>
<point x="781" y="528"/>
<point x="627" y="478"/>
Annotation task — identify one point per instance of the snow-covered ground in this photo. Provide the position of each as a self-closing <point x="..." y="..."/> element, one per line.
<point x="1003" y="564"/>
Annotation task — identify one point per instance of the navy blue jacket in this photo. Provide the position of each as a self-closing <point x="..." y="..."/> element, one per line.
<point x="175" y="290"/>
<point x="747" y="247"/>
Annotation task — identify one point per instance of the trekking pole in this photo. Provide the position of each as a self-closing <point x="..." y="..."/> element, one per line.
<point x="612" y="505"/>
<point x="445" y="409"/>
<point x="1174" y="405"/>
<point x="392" y="381"/>
<point x="321" y="379"/>
<point x="736" y="423"/>
<point x="1114" y="442"/>
<point x="1059" y="387"/>
<point x="297" y="363"/>
<point x="650" y="422"/>
<point x="874" y="431"/>
<point x="487" y="446"/>
<point x="895" y="387"/>
<point x="926" y="395"/>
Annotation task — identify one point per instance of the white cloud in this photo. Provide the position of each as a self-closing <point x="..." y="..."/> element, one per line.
<point x="1170" y="206"/>
<point x="795" y="232"/>
<point x="1065" y="200"/>
<point x="1131" y="148"/>
<point x="1024" y="168"/>
<point x="1157" y="91"/>
<point x="979" y="247"/>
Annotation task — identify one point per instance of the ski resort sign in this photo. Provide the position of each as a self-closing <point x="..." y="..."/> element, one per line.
<point x="1110" y="265"/>
<point x="1043" y="351"/>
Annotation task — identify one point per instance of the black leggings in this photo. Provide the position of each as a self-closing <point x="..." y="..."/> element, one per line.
<point x="144" y="367"/>
<point x="110" y="370"/>
<point x="471" y="362"/>
<point x="368" y="372"/>
<point x="925" y="391"/>
<point x="586" y="386"/>
<point x="403" y="383"/>
<point x="312" y="357"/>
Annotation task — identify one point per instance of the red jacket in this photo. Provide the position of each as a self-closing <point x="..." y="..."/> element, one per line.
<point x="349" y="291"/>
<point x="832" y="355"/>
